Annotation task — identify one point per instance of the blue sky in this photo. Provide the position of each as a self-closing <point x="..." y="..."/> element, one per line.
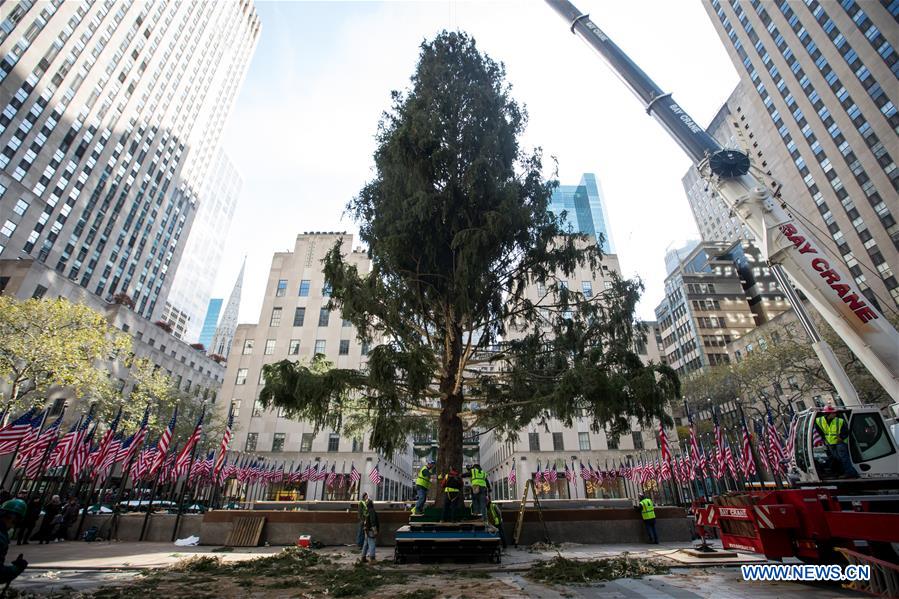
<point x="302" y="131"/>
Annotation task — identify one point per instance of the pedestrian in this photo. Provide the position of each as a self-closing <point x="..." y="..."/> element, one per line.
<point x="422" y="486"/>
<point x="452" y="495"/>
<point x="10" y="511"/>
<point x="49" y="522"/>
<point x="363" y="512"/>
<point x="835" y="432"/>
<point x="371" y="532"/>
<point x="495" y="517"/>
<point x="647" y="510"/>
<point x="479" y="488"/>
<point x="29" y="521"/>
<point x="69" y="516"/>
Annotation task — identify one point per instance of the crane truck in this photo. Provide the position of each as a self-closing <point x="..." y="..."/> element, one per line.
<point x="823" y="511"/>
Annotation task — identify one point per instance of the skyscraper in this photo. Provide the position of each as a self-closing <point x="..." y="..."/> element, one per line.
<point x="224" y="332"/>
<point x="112" y="114"/>
<point x="585" y="209"/>
<point x="822" y="78"/>
<point x="210" y="322"/>
<point x="188" y="297"/>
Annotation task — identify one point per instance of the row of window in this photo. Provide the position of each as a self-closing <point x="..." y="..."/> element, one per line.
<point x="583" y="439"/>
<point x="279" y="439"/>
<point x="303" y="291"/>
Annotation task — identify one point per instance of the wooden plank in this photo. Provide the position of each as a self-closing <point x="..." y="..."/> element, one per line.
<point x="246" y="531"/>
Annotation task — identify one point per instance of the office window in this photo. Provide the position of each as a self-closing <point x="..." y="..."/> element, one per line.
<point x="281" y="291"/>
<point x="304" y="288"/>
<point x="20" y="207"/>
<point x="612" y="442"/>
<point x="587" y="288"/>
<point x="357" y="444"/>
<point x="534" y="441"/>
<point x="269" y="347"/>
<point x="262" y="377"/>
<point x="39" y="292"/>
<point x="241" y="376"/>
<point x="324" y="315"/>
<point x="8" y="228"/>
<point x="276" y="317"/>
<point x="248" y="347"/>
<point x="235" y="407"/>
<point x="558" y="444"/>
<point x="306" y="442"/>
<point x="251" y="441"/>
<point x="583" y="441"/>
<point x="346" y="323"/>
<point x="58" y="404"/>
<point x="333" y="441"/>
<point x="344" y="347"/>
<point x="563" y="285"/>
<point x="294" y="347"/>
<point x="326" y="290"/>
<point x="365" y="348"/>
<point x="257" y="409"/>
<point x="638" y="439"/>
<point x="319" y="346"/>
<point x="299" y="316"/>
<point x="278" y="442"/>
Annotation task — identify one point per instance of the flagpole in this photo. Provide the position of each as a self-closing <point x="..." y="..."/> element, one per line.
<point x="159" y="469"/>
<point x="9" y="467"/>
<point x="186" y="484"/>
<point x="126" y="473"/>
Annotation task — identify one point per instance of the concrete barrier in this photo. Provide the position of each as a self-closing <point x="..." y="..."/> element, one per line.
<point x="159" y="527"/>
<point x="589" y="526"/>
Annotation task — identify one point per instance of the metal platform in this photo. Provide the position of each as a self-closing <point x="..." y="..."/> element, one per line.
<point x="468" y="540"/>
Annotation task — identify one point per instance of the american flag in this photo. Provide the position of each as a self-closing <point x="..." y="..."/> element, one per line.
<point x="321" y="472"/>
<point x="202" y="468"/>
<point x="664" y="469"/>
<point x="585" y="474"/>
<point x="729" y="459"/>
<point x="547" y="473"/>
<point x="308" y="473"/>
<point x="63" y="453"/>
<point x="538" y="475"/>
<point x="375" y="475"/>
<point x="182" y="462"/>
<point x="718" y="468"/>
<point x="35" y="459"/>
<point x="663" y="444"/>
<point x="81" y="454"/>
<point x="137" y="439"/>
<point x="332" y="476"/>
<point x="775" y="447"/>
<point x="28" y="440"/>
<point x="817" y="439"/>
<point x="355" y="476"/>
<point x="106" y="441"/>
<point x="748" y="462"/>
<point x="512" y="477"/>
<point x="104" y="467"/>
<point x="223" y="448"/>
<point x="569" y="473"/>
<point x="163" y="446"/>
<point x="597" y="474"/>
<point x="144" y="463"/>
<point x="791" y="439"/>
<point x="15" y="431"/>
<point x="553" y="474"/>
<point x="695" y="454"/>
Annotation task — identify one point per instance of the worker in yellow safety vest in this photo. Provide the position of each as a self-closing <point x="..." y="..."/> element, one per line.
<point x="479" y="488"/>
<point x="648" y="512"/>
<point x="422" y="485"/>
<point x="452" y="495"/>
<point x="835" y="432"/>
<point x="496" y="519"/>
<point x="363" y="514"/>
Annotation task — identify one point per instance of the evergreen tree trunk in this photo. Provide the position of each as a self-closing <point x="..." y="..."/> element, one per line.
<point x="449" y="426"/>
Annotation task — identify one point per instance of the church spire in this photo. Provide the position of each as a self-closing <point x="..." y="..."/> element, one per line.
<point x="224" y="333"/>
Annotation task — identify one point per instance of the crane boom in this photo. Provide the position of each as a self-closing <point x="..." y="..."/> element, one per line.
<point x="781" y="239"/>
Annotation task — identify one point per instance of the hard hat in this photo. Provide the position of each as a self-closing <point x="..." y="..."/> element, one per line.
<point x="431" y="462"/>
<point x="14" y="506"/>
<point x="830" y="410"/>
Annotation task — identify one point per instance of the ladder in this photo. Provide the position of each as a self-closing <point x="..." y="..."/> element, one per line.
<point x="529" y="484"/>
